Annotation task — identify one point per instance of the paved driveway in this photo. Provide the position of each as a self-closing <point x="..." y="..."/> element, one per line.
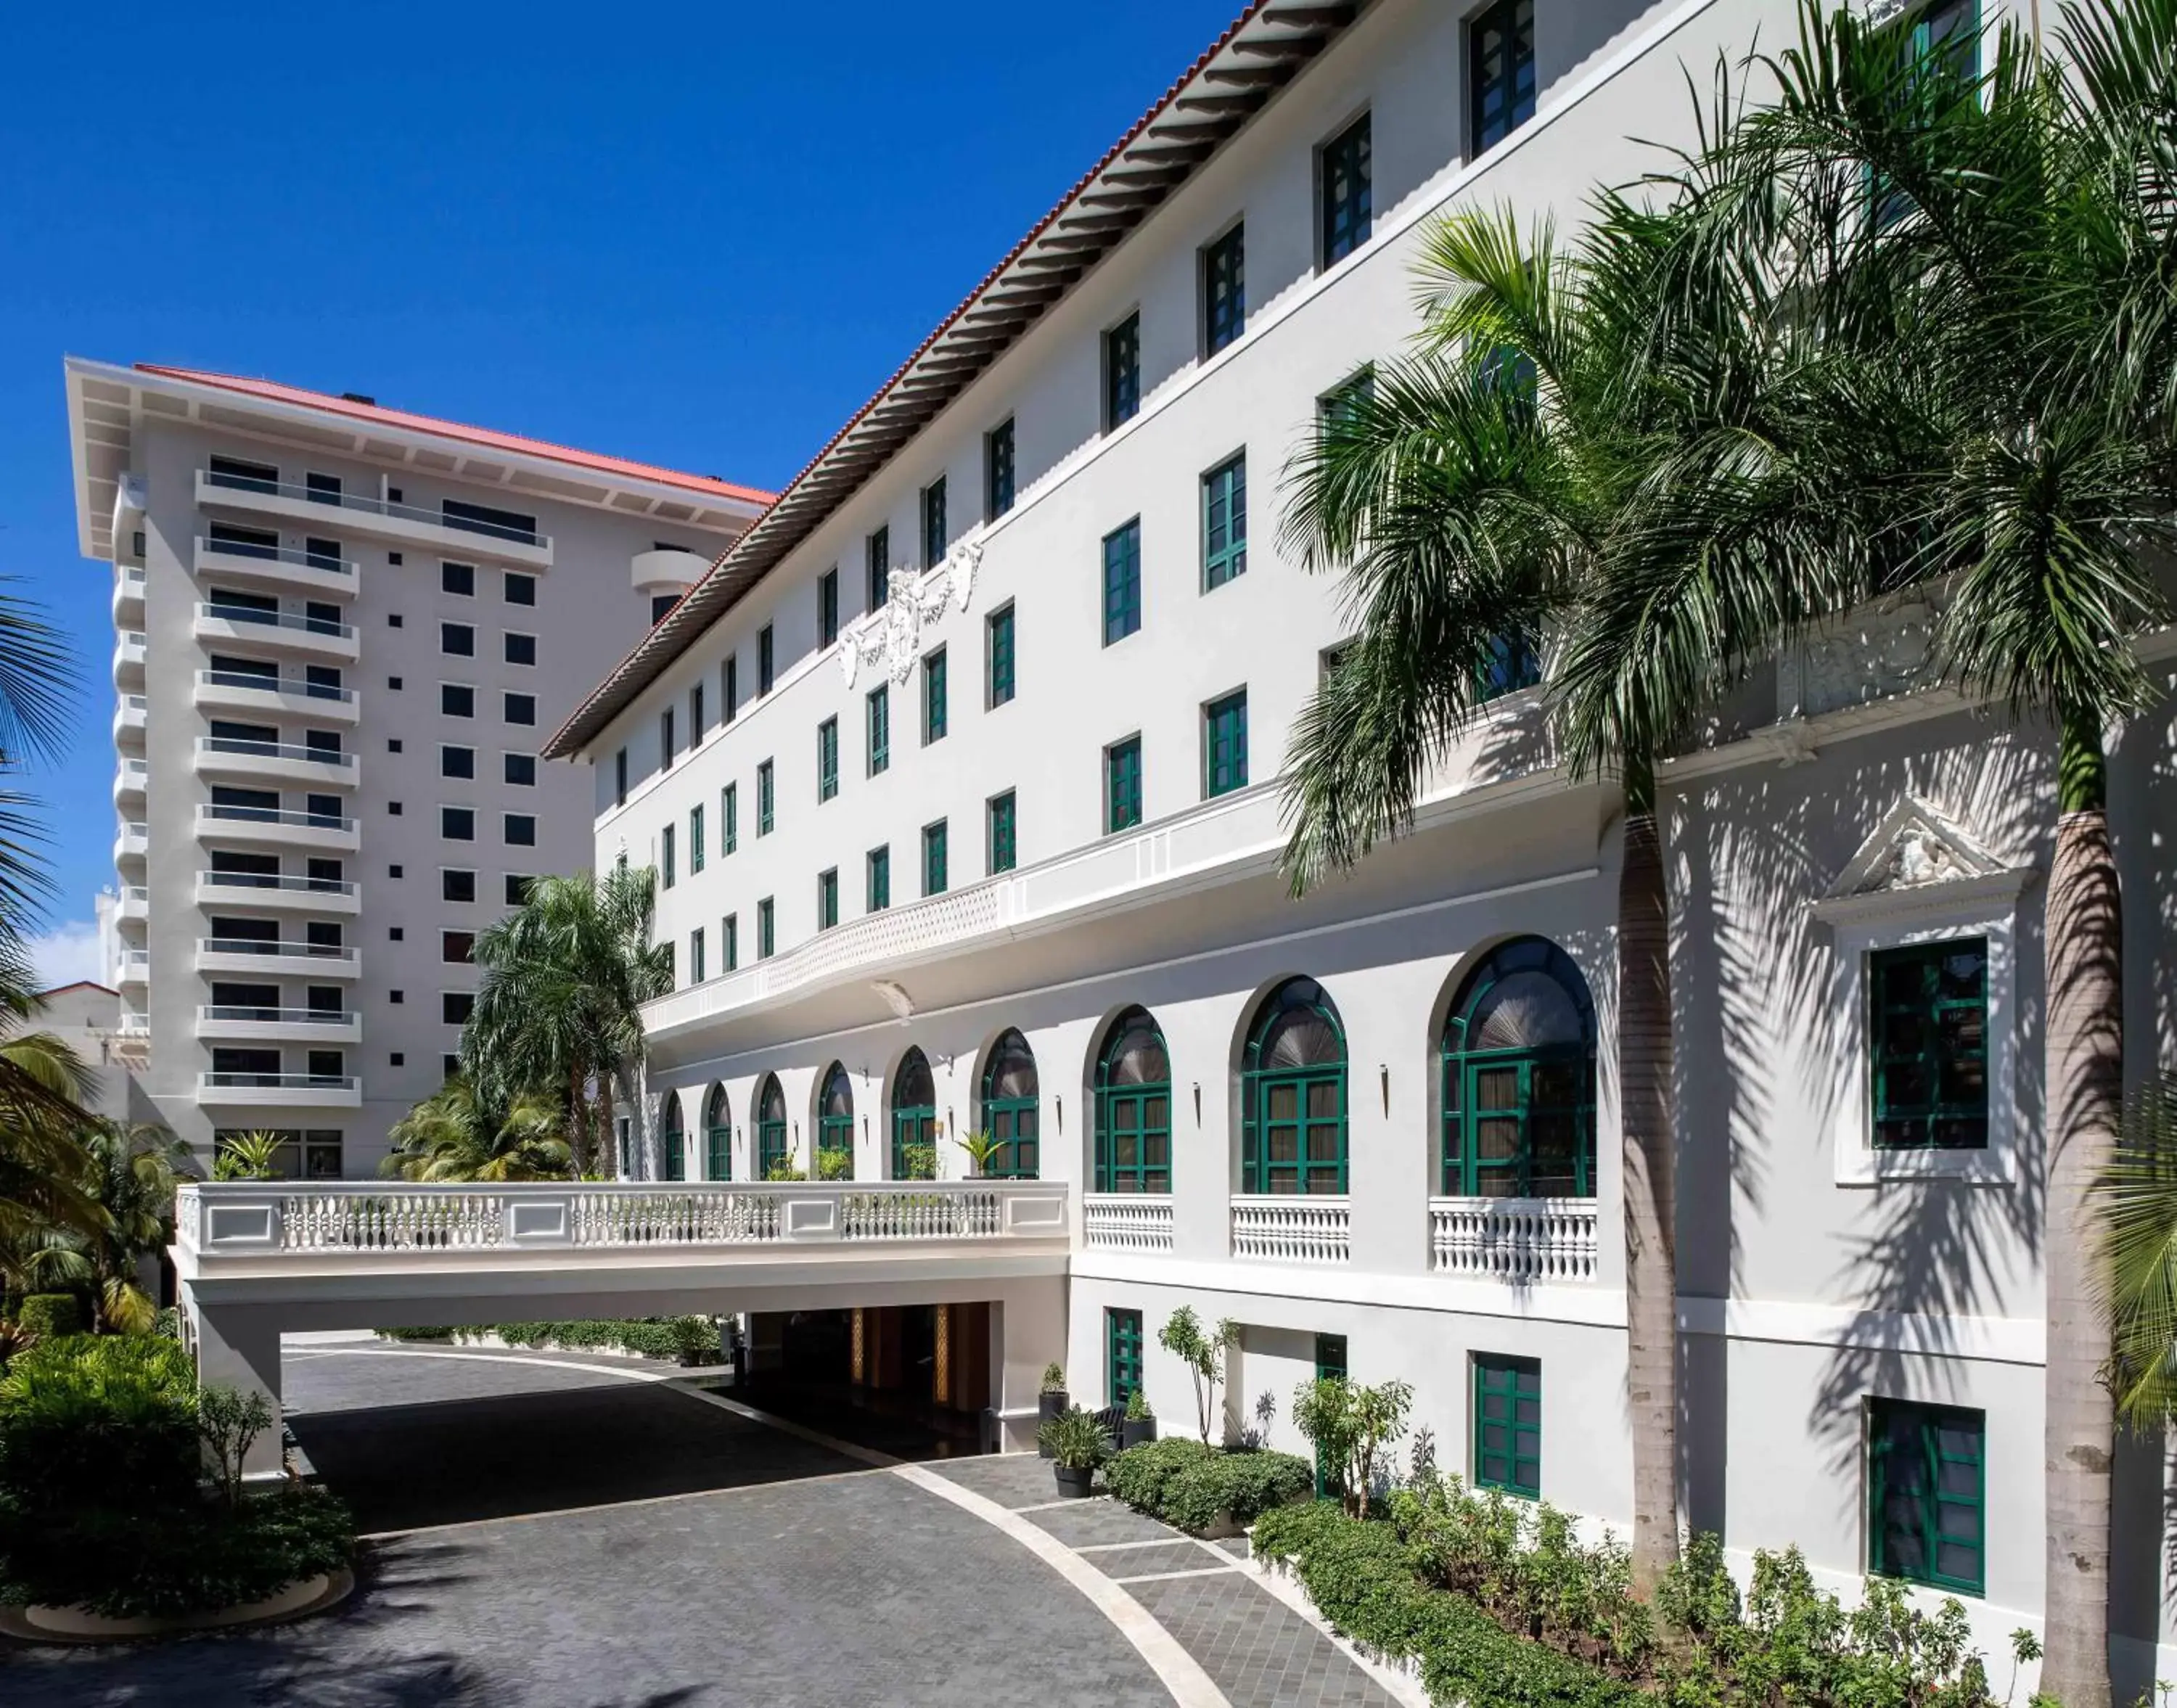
<point x="602" y="1543"/>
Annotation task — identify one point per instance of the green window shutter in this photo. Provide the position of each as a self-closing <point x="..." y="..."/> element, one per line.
<point x="764" y="660"/>
<point x="1224" y="290"/>
<point x="933" y="697"/>
<point x="1293" y="1115"/>
<point x="1122" y="1356"/>
<point x="1122" y="582"/>
<point x="1001" y="850"/>
<point x="1926" y="1495"/>
<point x="665" y="856"/>
<point x="770" y="1128"/>
<point x="933" y="523"/>
<point x="729" y="818"/>
<point x="1133" y="1108"/>
<point x="765" y="915"/>
<point x="878" y="718"/>
<point x="879" y="557"/>
<point x="1000" y="650"/>
<point x="695" y="839"/>
<point x="1122" y="785"/>
<point x="934" y="859"/>
<point x="827" y="759"/>
<point x="764" y="819"/>
<point x="827" y="899"/>
<point x="828" y="607"/>
<point x="1346" y="192"/>
<point x="697" y="971"/>
<point x="729" y="941"/>
<point x="1225" y="522"/>
<point x="1500" y="64"/>
<point x="1519" y="1119"/>
<point x="718" y="1151"/>
<point x="880" y="887"/>
<point x="1928" y="1045"/>
<point x="998" y="471"/>
<point x="676" y="1153"/>
<point x="1122" y="373"/>
<point x="1507" y="1425"/>
<point x="1224" y="745"/>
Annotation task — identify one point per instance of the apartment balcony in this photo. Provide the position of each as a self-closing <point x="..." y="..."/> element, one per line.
<point x="133" y="904"/>
<point x="280" y="828"/>
<point x="1521" y="1242"/>
<point x="284" y="957"/>
<point x="327" y="575"/>
<point x="132" y="968"/>
<point x="314" y="636"/>
<point x="241" y="691"/>
<point x="132" y="718"/>
<point x="666" y="569"/>
<point x="1293" y="1228"/>
<point x="132" y="781"/>
<point x="280" y="892"/>
<point x="274" y="761"/>
<point x="127" y="594"/>
<point x="279" y="1025"/>
<point x="279" y="1091"/>
<point x="132" y="842"/>
<point x="129" y="651"/>
<point x="133" y="1026"/>
<point x="1126" y="1222"/>
<point x="351" y="513"/>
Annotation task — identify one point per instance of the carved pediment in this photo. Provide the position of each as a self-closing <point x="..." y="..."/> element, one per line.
<point x="1913" y="848"/>
<point x="891" y="638"/>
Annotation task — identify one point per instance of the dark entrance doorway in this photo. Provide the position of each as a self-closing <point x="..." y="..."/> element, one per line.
<point x="912" y="1380"/>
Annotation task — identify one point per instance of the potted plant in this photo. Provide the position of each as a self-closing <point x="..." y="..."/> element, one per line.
<point x="1139" y="1424"/>
<point x="1076" y="1444"/>
<point x="1050" y="1402"/>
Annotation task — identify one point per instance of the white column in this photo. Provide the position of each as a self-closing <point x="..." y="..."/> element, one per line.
<point x="237" y="1346"/>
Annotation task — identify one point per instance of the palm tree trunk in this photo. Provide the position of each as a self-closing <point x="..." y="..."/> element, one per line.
<point x="1649" y="1170"/>
<point x="578" y="1121"/>
<point x="2083" y="933"/>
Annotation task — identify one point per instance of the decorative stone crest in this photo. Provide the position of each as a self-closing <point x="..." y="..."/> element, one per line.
<point x="1913" y="848"/>
<point x="890" y="639"/>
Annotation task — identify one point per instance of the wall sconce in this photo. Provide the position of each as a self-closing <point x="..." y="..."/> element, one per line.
<point x="1197" y="1103"/>
<point x="1384" y="1068"/>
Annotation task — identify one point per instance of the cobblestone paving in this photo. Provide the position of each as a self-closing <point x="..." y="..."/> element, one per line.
<point x="1262" y="1654"/>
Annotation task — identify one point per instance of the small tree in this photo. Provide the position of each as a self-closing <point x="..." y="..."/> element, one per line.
<point x="1203" y="1355"/>
<point x="230" y="1421"/>
<point x="1351" y="1426"/>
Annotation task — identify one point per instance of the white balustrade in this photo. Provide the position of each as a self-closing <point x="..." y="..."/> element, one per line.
<point x="1521" y="1241"/>
<point x="1126" y="1222"/>
<point x="1293" y="1229"/>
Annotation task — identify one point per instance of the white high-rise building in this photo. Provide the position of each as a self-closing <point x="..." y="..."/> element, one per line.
<point x="961" y="774"/>
<point x="358" y="625"/>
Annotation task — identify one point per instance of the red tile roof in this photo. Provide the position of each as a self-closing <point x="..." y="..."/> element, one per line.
<point x="273" y="391"/>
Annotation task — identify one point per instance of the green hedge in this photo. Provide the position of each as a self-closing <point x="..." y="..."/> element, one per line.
<point x="1361" y="1579"/>
<point x="50" y="1315"/>
<point x="1189" y="1484"/>
<point x="667" y="1337"/>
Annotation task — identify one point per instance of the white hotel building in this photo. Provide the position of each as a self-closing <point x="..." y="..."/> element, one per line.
<point x="960" y="771"/>
<point x="342" y="632"/>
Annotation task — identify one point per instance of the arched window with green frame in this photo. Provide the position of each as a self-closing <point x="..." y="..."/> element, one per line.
<point x="1009" y="1109"/>
<point x="913" y="1119"/>
<point x="835" y="1123"/>
<point x="674" y="1133"/>
<point x="717" y="1136"/>
<point x="1133" y="1107"/>
<point x="770" y="1126"/>
<point x="1292" y="1133"/>
<point x="1518" y="1078"/>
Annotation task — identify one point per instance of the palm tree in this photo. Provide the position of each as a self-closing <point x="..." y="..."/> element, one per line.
<point x="133" y="1171"/>
<point x="2135" y="1269"/>
<point x="459" y="1133"/>
<point x="560" y="1006"/>
<point x="45" y="1199"/>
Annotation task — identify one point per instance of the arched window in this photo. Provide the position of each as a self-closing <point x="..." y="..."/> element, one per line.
<point x="913" y="1120"/>
<point x="717" y="1137"/>
<point x="1518" y="1078"/>
<point x="1009" y="1109"/>
<point x="1292" y="1135"/>
<point x="1133" y="1107"/>
<point x="770" y="1126"/>
<point x="835" y="1124"/>
<point x="674" y="1135"/>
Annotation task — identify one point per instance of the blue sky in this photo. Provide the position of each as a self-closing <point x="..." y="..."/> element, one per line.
<point x="698" y="235"/>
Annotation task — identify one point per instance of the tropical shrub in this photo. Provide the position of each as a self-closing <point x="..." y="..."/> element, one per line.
<point x="656" y="1337"/>
<point x="50" y="1315"/>
<point x="835" y="1164"/>
<point x="1074" y="1440"/>
<point x="1054" y="1379"/>
<point x="918" y="1162"/>
<point x="1203" y="1355"/>
<point x="1195" y="1486"/>
<point x="84" y="1416"/>
<point x="1352" y="1428"/>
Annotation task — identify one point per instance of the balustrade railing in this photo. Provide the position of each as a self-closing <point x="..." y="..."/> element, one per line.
<point x="1521" y="1241"/>
<point x="1293" y="1229"/>
<point x="1126" y="1222"/>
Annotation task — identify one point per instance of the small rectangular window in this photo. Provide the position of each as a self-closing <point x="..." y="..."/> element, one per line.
<point x="933" y="524"/>
<point x="457" y="762"/>
<point x="457" y="823"/>
<point x="619" y="778"/>
<point x="521" y="830"/>
<point x="880" y="879"/>
<point x="1224" y="745"/>
<point x="1122" y="582"/>
<point x="1928" y="1045"/>
<point x="729" y="943"/>
<point x="666" y="743"/>
<point x="934" y="853"/>
<point x="456" y="885"/>
<point x="516" y="891"/>
<point x="1122" y="784"/>
<point x="877" y="719"/>
<point x="457" y="579"/>
<point x="521" y="649"/>
<point x="484" y="519"/>
<point x="695" y="839"/>
<point x="729" y="818"/>
<point x="665" y="871"/>
<point x="522" y="770"/>
<point x="827" y="759"/>
<point x="695" y="716"/>
<point x="1122" y="1356"/>
<point x="933" y="697"/>
<point x="697" y="971"/>
<point x="454" y="1006"/>
<point x="1345" y="192"/>
<point x="998" y="649"/>
<point x="827" y="899"/>
<point x="455" y="701"/>
<point x="828" y="607"/>
<point x="766" y="921"/>
<point x="661" y="607"/>
<point x="521" y="708"/>
<point x="457" y="640"/>
<point x="1122" y="373"/>
<point x="454" y="945"/>
<point x="1507" y="1425"/>
<point x="765" y="660"/>
<point x="1224" y="290"/>
<point x="521" y="589"/>
<point x="1500" y="72"/>
<point x="730" y="687"/>
<point x="1927" y="1485"/>
<point x="1000" y="850"/>
<point x="877" y="554"/>
<point x="764" y="817"/>
<point x="1225" y="522"/>
<point x="998" y="471"/>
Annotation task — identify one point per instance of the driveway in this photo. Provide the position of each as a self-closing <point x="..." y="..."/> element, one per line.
<point x="584" y="1538"/>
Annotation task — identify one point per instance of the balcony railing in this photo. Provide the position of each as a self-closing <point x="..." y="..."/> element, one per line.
<point x="330" y="562"/>
<point x="213" y="610"/>
<point x="1293" y="1229"/>
<point x="273" y="946"/>
<point x="276" y="750"/>
<point x="279" y="1082"/>
<point x="1521" y="1241"/>
<point x="276" y="1017"/>
<point x="279" y="880"/>
<point x="272" y="684"/>
<point x="389" y="1219"/>
<point x="1126" y="1222"/>
<point x="372" y="506"/>
<point x="275" y="815"/>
